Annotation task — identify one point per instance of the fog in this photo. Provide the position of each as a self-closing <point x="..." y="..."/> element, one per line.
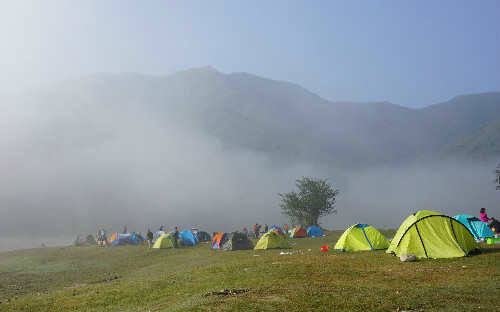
<point x="68" y="170"/>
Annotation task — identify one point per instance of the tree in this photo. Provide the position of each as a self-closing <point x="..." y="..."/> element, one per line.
<point x="314" y="199"/>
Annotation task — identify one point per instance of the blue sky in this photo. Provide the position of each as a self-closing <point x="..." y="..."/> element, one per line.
<point x="412" y="53"/>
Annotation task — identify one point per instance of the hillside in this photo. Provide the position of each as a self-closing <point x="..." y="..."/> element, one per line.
<point x="484" y="142"/>
<point x="136" y="278"/>
<point x="282" y="119"/>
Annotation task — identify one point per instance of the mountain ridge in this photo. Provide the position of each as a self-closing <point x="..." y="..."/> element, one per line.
<point x="285" y="120"/>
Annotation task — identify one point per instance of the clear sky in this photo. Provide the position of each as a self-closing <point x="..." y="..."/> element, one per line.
<point x="412" y="53"/>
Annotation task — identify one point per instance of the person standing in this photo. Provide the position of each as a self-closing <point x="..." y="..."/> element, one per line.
<point x="176" y="237"/>
<point x="150" y="237"/>
<point x="266" y="228"/>
<point x="256" y="228"/>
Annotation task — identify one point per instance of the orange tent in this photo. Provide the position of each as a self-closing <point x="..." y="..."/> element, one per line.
<point x="113" y="237"/>
<point x="218" y="240"/>
<point x="298" y="232"/>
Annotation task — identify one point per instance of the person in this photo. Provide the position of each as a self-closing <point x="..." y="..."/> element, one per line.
<point x="99" y="237"/>
<point x="105" y="237"/>
<point x="483" y="216"/>
<point x="266" y="228"/>
<point x="285" y="228"/>
<point x="150" y="237"/>
<point x="256" y="229"/>
<point x="176" y="237"/>
<point x="161" y="228"/>
<point x="492" y="222"/>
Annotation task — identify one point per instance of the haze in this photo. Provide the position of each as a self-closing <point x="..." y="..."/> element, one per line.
<point x="180" y="144"/>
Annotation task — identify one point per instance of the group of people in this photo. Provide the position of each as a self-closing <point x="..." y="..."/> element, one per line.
<point x="102" y="238"/>
<point x="150" y="236"/>
<point x="257" y="229"/>
<point x="492" y="222"/>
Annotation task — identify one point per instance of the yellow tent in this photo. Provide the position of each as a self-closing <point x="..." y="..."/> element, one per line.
<point x="272" y="240"/>
<point x="164" y="241"/>
<point x="361" y="237"/>
<point x="428" y="234"/>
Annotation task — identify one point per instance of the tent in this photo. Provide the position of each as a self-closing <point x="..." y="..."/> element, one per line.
<point x="428" y="234"/>
<point x="478" y="228"/>
<point x="277" y="229"/>
<point x="298" y="232"/>
<point x="123" y="239"/>
<point x="271" y="240"/>
<point x="361" y="237"/>
<point x="218" y="240"/>
<point x="203" y="236"/>
<point x="237" y="241"/>
<point x="315" y="231"/>
<point x="164" y="241"/>
<point x="188" y="238"/>
<point x="157" y="235"/>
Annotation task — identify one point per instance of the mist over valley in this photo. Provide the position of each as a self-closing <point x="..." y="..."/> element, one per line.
<point x="213" y="150"/>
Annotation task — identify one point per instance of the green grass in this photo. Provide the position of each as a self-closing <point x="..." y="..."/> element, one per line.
<point x="135" y="278"/>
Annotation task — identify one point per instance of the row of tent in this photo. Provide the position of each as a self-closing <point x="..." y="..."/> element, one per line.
<point x="274" y="238"/>
<point x="299" y="231"/>
<point x="188" y="237"/>
<point x="425" y="234"/>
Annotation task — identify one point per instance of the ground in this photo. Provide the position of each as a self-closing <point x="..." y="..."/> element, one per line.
<point x="136" y="278"/>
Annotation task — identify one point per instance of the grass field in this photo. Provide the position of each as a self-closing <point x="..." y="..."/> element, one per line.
<point x="136" y="278"/>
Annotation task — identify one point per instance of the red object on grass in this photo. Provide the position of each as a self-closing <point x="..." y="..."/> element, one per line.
<point x="324" y="248"/>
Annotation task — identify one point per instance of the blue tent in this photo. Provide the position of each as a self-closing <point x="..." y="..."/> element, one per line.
<point x="314" y="231"/>
<point x="123" y="239"/>
<point x="203" y="236"/>
<point x="275" y="227"/>
<point x="188" y="238"/>
<point x="478" y="228"/>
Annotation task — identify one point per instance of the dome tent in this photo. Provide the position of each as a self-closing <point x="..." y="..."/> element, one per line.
<point x="203" y="236"/>
<point x="218" y="240"/>
<point x="272" y="240"/>
<point x="315" y="231"/>
<point x="118" y="239"/>
<point x="164" y="241"/>
<point x="277" y="229"/>
<point x="236" y="241"/>
<point x="361" y="237"/>
<point x="188" y="238"/>
<point x="478" y="228"/>
<point x="157" y="235"/>
<point x="298" y="232"/>
<point x="428" y="234"/>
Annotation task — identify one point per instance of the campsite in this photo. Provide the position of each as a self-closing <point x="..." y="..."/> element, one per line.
<point x="227" y="155"/>
<point x="138" y="278"/>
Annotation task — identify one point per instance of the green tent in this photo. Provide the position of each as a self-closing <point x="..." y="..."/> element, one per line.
<point x="236" y="241"/>
<point x="272" y="240"/>
<point x="428" y="234"/>
<point x="164" y="241"/>
<point x="361" y="237"/>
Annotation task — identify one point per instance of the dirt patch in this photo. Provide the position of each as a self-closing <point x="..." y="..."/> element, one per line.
<point x="106" y="280"/>
<point x="227" y="292"/>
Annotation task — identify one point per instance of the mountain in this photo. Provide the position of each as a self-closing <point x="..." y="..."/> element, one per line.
<point x="284" y="120"/>
<point x="482" y="143"/>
